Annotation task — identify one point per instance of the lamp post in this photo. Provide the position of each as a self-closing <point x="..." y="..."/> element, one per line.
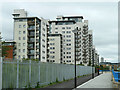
<point x="75" y="33"/>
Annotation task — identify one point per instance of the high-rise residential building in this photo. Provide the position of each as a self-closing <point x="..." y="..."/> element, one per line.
<point x="55" y="48"/>
<point x="64" y="26"/>
<point x="96" y="60"/>
<point x="90" y="37"/>
<point x="53" y="41"/>
<point x="0" y="45"/>
<point x="30" y="35"/>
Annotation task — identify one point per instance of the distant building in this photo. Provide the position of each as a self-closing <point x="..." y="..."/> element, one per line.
<point x="10" y="47"/>
<point x="90" y="37"/>
<point x="102" y="59"/>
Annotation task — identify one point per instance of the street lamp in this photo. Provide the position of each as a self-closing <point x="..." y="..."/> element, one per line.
<point x="75" y="33"/>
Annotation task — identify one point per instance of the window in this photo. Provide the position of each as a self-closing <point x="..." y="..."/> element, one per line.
<point x="68" y="48"/>
<point x="52" y="57"/>
<point x="56" y="28"/>
<point x="19" y="50"/>
<point x="64" y="56"/>
<point x="43" y="57"/>
<point x="63" y="27"/>
<point x="64" y="52"/>
<point x="23" y="44"/>
<point x="52" y="52"/>
<point x="68" y="27"/>
<point x="68" y="32"/>
<point x="19" y="32"/>
<point x="23" y="50"/>
<point x="52" y="43"/>
<point x="68" y="40"/>
<point x="24" y="26"/>
<point x="23" y="56"/>
<point x="68" y="52"/>
<point x="43" y="51"/>
<point x="43" y="29"/>
<point x="23" y="38"/>
<point x="52" y="39"/>
<point x="52" y="47"/>
<point x="68" y="56"/>
<point x="68" y="44"/>
<point x="19" y="38"/>
<point x="23" y="32"/>
<point x="19" y="56"/>
<point x="43" y="40"/>
<point x="43" y="46"/>
<point x="63" y="31"/>
<point x="19" y="44"/>
<point x="56" y="32"/>
<point x="68" y="36"/>
<point x="19" y="26"/>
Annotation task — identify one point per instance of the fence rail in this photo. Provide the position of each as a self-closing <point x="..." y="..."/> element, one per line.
<point x="18" y="74"/>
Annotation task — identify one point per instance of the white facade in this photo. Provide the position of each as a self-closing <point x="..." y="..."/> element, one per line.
<point x="55" y="48"/>
<point x="30" y="35"/>
<point x="64" y="26"/>
<point x="90" y="35"/>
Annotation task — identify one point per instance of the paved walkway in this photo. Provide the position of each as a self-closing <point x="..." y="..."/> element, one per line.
<point x="70" y="83"/>
<point x="102" y="81"/>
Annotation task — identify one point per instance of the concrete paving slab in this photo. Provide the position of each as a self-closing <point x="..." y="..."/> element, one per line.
<point x="102" y="81"/>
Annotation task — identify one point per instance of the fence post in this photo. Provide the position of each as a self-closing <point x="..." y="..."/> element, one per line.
<point x="0" y="73"/>
<point x="17" y="86"/>
<point x="30" y="71"/>
<point x="39" y="72"/>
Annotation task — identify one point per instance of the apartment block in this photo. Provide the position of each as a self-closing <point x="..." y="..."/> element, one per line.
<point x="30" y="35"/>
<point x="53" y="40"/>
<point x="90" y="37"/>
<point x="55" y="48"/>
<point x="64" y="25"/>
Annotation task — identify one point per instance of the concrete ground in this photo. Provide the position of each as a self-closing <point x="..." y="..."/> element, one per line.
<point x="102" y="81"/>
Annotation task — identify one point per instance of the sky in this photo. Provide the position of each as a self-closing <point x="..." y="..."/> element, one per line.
<point x="102" y="17"/>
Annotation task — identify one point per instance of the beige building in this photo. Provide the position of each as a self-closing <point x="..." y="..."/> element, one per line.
<point x="55" y="48"/>
<point x="90" y="37"/>
<point x="64" y="26"/>
<point x="30" y="35"/>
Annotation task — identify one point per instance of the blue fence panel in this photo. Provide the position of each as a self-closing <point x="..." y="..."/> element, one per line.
<point x="116" y="75"/>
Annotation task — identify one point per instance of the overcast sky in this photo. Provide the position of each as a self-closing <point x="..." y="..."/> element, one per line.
<point x="102" y="16"/>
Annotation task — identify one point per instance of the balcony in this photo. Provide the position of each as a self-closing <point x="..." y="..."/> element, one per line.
<point x="85" y="26"/>
<point x="37" y="34"/>
<point x="31" y="28"/>
<point x="31" y="41"/>
<point x="37" y="40"/>
<point x="30" y="53"/>
<point x="31" y="35"/>
<point x="37" y="46"/>
<point x="37" y="53"/>
<point x="30" y="47"/>
<point x="31" y="22"/>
